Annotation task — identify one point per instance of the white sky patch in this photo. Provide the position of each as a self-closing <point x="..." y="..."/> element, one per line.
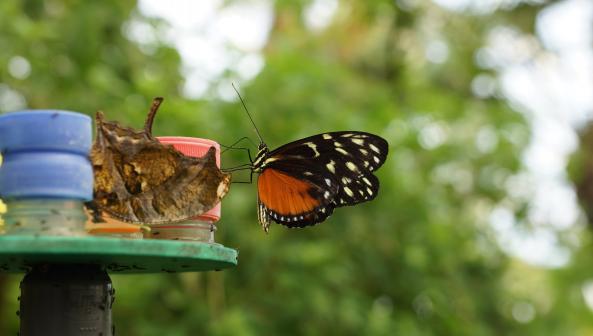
<point x="319" y="13"/>
<point x="481" y="6"/>
<point x="432" y="135"/>
<point x="484" y="85"/>
<point x="587" y="291"/>
<point x="186" y="14"/>
<point x="11" y="100"/>
<point x="486" y="139"/>
<point x="553" y="89"/>
<point x="523" y="312"/>
<point x="250" y="65"/>
<point x="566" y="25"/>
<point x="19" y="67"/>
<point x="245" y="25"/>
<point x="437" y="51"/>
<point x="141" y="32"/>
<point x="211" y="39"/>
<point x="536" y="246"/>
<point x="506" y="47"/>
<point x="455" y="5"/>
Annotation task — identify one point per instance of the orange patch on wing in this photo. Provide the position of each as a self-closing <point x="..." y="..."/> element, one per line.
<point x="285" y="194"/>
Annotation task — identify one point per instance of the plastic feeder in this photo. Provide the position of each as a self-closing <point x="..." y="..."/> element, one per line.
<point x="44" y="179"/>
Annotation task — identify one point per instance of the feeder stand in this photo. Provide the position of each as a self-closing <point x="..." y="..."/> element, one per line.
<point x="45" y="178"/>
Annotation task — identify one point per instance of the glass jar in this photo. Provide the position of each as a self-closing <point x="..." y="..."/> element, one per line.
<point x="192" y="230"/>
<point x="45" y="217"/>
<point x="200" y="228"/>
<point x="45" y="174"/>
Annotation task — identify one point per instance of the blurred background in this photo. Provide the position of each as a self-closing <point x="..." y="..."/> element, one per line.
<point x="477" y="229"/>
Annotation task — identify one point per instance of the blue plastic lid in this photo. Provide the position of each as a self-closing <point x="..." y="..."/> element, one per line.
<point x="46" y="175"/>
<point x="45" y="130"/>
<point x="45" y="155"/>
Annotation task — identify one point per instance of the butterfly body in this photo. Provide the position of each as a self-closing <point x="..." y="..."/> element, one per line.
<point x="302" y="182"/>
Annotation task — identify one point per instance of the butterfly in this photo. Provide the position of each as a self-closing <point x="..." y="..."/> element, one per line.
<point x="301" y="183"/>
<point x="141" y="180"/>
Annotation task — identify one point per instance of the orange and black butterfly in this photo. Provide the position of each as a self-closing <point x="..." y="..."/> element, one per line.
<point x="302" y="182"/>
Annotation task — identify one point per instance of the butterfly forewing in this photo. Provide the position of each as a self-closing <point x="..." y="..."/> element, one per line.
<point x="366" y="149"/>
<point x="336" y="167"/>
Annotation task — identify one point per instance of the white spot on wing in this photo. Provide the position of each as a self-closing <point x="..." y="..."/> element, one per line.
<point x="376" y="159"/>
<point x="351" y="166"/>
<point x="363" y="151"/>
<point x="346" y="180"/>
<point x="358" y="141"/>
<point x="347" y="135"/>
<point x="331" y="166"/>
<point x="374" y="148"/>
<point x="348" y="192"/>
<point x="366" y="180"/>
<point x="328" y="182"/>
<point x="326" y="195"/>
<point x="307" y="173"/>
<point x="337" y="144"/>
<point x="313" y="147"/>
<point x="370" y="191"/>
<point x="341" y="150"/>
<point x="326" y="136"/>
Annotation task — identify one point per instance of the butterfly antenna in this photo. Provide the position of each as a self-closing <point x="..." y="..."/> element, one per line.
<point x="248" y="114"/>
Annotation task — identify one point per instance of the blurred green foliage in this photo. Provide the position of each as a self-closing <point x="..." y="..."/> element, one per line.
<point x="419" y="260"/>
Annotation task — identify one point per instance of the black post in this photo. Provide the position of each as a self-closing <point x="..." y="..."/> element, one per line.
<point x="63" y="300"/>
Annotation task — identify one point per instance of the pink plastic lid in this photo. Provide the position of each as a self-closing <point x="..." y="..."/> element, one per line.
<point x="196" y="147"/>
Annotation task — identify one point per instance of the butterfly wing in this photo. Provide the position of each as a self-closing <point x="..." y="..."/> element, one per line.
<point x="362" y="148"/>
<point x="137" y="179"/>
<point x="294" y="199"/>
<point x="310" y="177"/>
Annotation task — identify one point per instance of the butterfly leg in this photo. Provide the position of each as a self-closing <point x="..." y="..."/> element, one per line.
<point x="236" y="142"/>
<point x="239" y="148"/>
<point x="239" y="167"/>
<point x="245" y="182"/>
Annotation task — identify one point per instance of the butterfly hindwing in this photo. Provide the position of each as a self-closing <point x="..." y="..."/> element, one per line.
<point x="296" y="198"/>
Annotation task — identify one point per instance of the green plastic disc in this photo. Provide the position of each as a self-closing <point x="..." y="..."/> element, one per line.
<point x="117" y="255"/>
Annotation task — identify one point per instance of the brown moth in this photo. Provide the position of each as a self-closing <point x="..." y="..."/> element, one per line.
<point x="140" y="180"/>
